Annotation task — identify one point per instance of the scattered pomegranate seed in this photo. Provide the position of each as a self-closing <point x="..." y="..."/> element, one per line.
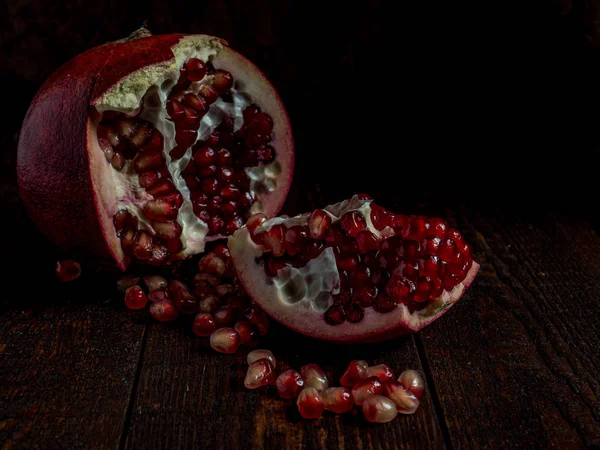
<point x="154" y="282"/>
<point x="289" y="384"/>
<point x="379" y="409"/>
<point x="260" y="373"/>
<point x="67" y="270"/>
<point x="248" y="333"/>
<point x="224" y="316"/>
<point x="381" y="371"/>
<point x="338" y="399"/>
<point x="204" y="324"/>
<point x="135" y="298"/>
<point x="163" y="311"/>
<point x="412" y="381"/>
<point x="310" y="404"/>
<point x="318" y="223"/>
<point x="225" y="340"/>
<point x="405" y="401"/>
<point x="255" y="355"/>
<point x="314" y="376"/>
<point x="259" y="318"/>
<point x="363" y="388"/>
<point x="356" y="371"/>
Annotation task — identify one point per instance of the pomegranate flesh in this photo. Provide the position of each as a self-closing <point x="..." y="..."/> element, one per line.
<point x="146" y="148"/>
<point x="353" y="271"/>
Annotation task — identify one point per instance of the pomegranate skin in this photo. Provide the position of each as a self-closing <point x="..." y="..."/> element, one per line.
<point x="61" y="174"/>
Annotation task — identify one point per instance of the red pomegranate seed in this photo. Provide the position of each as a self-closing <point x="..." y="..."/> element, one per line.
<point x="141" y="136"/>
<point x="379" y="409"/>
<point x="379" y="278"/>
<point x="233" y="224"/>
<point x="408" y="269"/>
<point x="161" y="209"/>
<point x="335" y="315"/>
<point x="364" y="388"/>
<point x="225" y="174"/>
<point x="209" y="304"/>
<point x="192" y="118"/>
<point x="400" y="289"/>
<point x="175" y="110"/>
<point x="126" y="281"/>
<point x="209" y="93"/>
<point x="273" y="240"/>
<point x="155" y="142"/>
<point x="230" y="192"/>
<point x="158" y="295"/>
<point x="224" y="158"/>
<point x="209" y="186"/>
<point x="211" y="263"/>
<point x="353" y="222"/>
<point x="346" y="261"/>
<point x="412" y="381"/>
<point x="356" y="371"/>
<point x="314" y="376"/>
<point x="431" y="245"/>
<point x="423" y="289"/>
<point x="229" y="209"/>
<point x="207" y="171"/>
<point x="360" y="276"/>
<point x="379" y="216"/>
<point x="259" y="318"/>
<point x="318" y="223"/>
<point x="126" y="127"/>
<point x="312" y="250"/>
<point x="151" y="178"/>
<point x="167" y="230"/>
<point x="255" y="355"/>
<point x="174" y="246"/>
<point x="160" y="254"/>
<point x="404" y="400"/>
<point x="185" y="137"/>
<point x="205" y="156"/>
<point x="224" y="316"/>
<point x="67" y="270"/>
<point x="387" y="259"/>
<point x="261" y="123"/>
<point x="260" y="373"/>
<point x="164" y="187"/>
<point x="195" y="69"/>
<point x="381" y="371"/>
<point x="383" y="303"/>
<point x="289" y="384"/>
<point x="135" y="298"/>
<point x="185" y="302"/>
<point x="154" y="282"/>
<point x="255" y="221"/>
<point x="338" y="399"/>
<point x="204" y="324"/>
<point x="366" y="241"/>
<point x="196" y="102"/>
<point x="163" y="311"/>
<point x="216" y="225"/>
<point x="310" y="404"/>
<point x="411" y="250"/>
<point x="354" y="313"/>
<point x="225" y="340"/>
<point x="248" y="333"/>
<point x="127" y="241"/>
<point x="363" y="196"/>
<point x="249" y="112"/>
<point x="222" y="80"/>
<point x="430" y="266"/>
<point x="415" y="228"/>
<point x="295" y="239"/>
<point x="117" y="160"/>
<point x="142" y="246"/>
<point x="175" y="197"/>
<point x="265" y="154"/>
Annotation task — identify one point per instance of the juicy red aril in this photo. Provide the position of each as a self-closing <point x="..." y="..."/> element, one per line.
<point x="430" y="266"/>
<point x="233" y="224"/>
<point x="185" y="137"/>
<point x="117" y="160"/>
<point x="312" y="250"/>
<point x="222" y="80"/>
<point x="346" y="261"/>
<point x="248" y="332"/>
<point x="353" y="222"/>
<point x="431" y="245"/>
<point x="310" y="404"/>
<point x="142" y="246"/>
<point x="167" y="230"/>
<point x="175" y="110"/>
<point x="364" y="296"/>
<point x="185" y="302"/>
<point x="295" y="239"/>
<point x="379" y="409"/>
<point x="158" y="295"/>
<point x="255" y="355"/>
<point x="335" y="315"/>
<point x="411" y="249"/>
<point x="192" y="118"/>
<point x="260" y="373"/>
<point x="381" y="371"/>
<point x="225" y="174"/>
<point x="415" y="229"/>
<point x="230" y="192"/>
<point x="209" y="93"/>
<point x="259" y="318"/>
<point x="135" y="298"/>
<point x="225" y="340"/>
<point x="196" y="102"/>
<point x="404" y="400"/>
<point x="67" y="270"/>
<point x="360" y="276"/>
<point x="356" y="371"/>
<point x="224" y="316"/>
<point x="151" y="178"/>
<point x="224" y="157"/>
<point x="195" y="69"/>
<point x="314" y="376"/>
<point x="255" y="221"/>
<point x="412" y="381"/>
<point x="289" y="384"/>
<point x="161" y="188"/>
<point x="204" y="324"/>
<point x="366" y="241"/>
<point x="273" y="240"/>
<point x="163" y="311"/>
<point x="400" y="289"/>
<point x="387" y="259"/>
<point x="338" y="399"/>
<point x="423" y="289"/>
<point x="354" y="313"/>
<point x="380" y="217"/>
<point x="249" y="112"/>
<point x="318" y="223"/>
<point x="408" y="269"/>
<point x="261" y="123"/>
<point x="265" y="154"/>
<point x="154" y="282"/>
<point x="207" y="171"/>
<point x="205" y="156"/>
<point x="364" y="388"/>
<point x="209" y="186"/>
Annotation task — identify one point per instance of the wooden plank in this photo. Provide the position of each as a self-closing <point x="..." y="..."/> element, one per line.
<point x="516" y="363"/>
<point x="190" y="396"/>
<point x="66" y="372"/>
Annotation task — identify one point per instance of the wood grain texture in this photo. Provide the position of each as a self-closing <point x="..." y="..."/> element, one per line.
<point x="516" y="364"/>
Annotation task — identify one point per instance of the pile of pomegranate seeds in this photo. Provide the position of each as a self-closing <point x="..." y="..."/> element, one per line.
<point x="414" y="263"/>
<point x="375" y="389"/>
<point x="221" y="309"/>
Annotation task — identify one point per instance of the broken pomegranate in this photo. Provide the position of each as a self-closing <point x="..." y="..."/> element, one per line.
<point x="353" y="271"/>
<point x="146" y="148"/>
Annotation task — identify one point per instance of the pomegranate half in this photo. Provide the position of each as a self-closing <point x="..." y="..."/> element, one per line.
<point x="352" y="272"/>
<point x="148" y="147"/>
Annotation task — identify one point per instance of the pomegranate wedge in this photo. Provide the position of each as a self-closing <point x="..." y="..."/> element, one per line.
<point x="148" y="147"/>
<point x="353" y="271"/>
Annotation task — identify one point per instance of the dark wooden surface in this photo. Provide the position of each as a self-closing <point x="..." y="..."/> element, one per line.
<point x="487" y="120"/>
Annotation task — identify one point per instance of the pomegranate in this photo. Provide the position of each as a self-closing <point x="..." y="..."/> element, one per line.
<point x="146" y="148"/>
<point x="353" y="271"/>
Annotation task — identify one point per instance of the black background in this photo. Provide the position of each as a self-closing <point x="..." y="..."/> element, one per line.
<point x="469" y="105"/>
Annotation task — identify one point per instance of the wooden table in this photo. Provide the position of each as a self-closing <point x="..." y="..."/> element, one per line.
<point x="514" y="364"/>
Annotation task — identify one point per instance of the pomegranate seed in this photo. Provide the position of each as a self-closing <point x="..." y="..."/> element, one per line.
<point x="265" y="154"/>
<point x="167" y="230"/>
<point x="185" y="302"/>
<point x="248" y="333"/>
<point x="364" y="388"/>
<point x="289" y="384"/>
<point x="67" y="270"/>
<point x="273" y="240"/>
<point x="261" y="123"/>
<point x="412" y="381"/>
<point x="414" y="229"/>
<point x="295" y="239"/>
<point x="411" y="250"/>
<point x="161" y="209"/>
<point x="141" y="136"/>
<point x="366" y="241"/>
<point x="381" y="371"/>
<point x="222" y="252"/>
<point x="224" y="316"/>
<point x="310" y="404"/>
<point x="117" y="160"/>
<point x="196" y="102"/>
<point x="209" y="93"/>
<point x="356" y="371"/>
<point x="224" y="158"/>
<point x="195" y="69"/>
<point x="205" y="156"/>
<point x="150" y="178"/>
<point x="335" y="315"/>
<point x="209" y="304"/>
<point x="360" y="276"/>
<point x="174" y="246"/>
<point x="353" y="222"/>
<point x="438" y="228"/>
<point x="314" y="376"/>
<point x="207" y="171"/>
<point x="155" y="142"/>
<point x="318" y="223"/>
<point x="379" y="278"/>
<point x="186" y="137"/>
<point x="249" y="112"/>
<point x="209" y="186"/>
<point x="230" y="192"/>
<point x="338" y="399"/>
<point x="212" y="264"/>
<point x="255" y="221"/>
<point x="158" y="295"/>
<point x="255" y="355"/>
<point x="346" y="261"/>
<point x="354" y="313"/>
<point x="387" y="259"/>
<point x="163" y="311"/>
<point x="232" y="225"/>
<point x="222" y="80"/>
<point x="259" y="318"/>
<point x="260" y="373"/>
<point x="175" y="110"/>
<point x="404" y="400"/>
<point x="154" y="282"/>
<point x="160" y="254"/>
<point x="204" y="324"/>
<point x="400" y="289"/>
<point x="364" y="296"/>
<point x="379" y="409"/>
<point x="162" y="188"/>
<point x="430" y="266"/>
<point x="192" y="118"/>
<point x="135" y="298"/>
<point x="126" y="127"/>
<point x="379" y="216"/>
<point x="383" y="303"/>
<point x="408" y="269"/>
<point x="225" y="174"/>
<point x="127" y="241"/>
<point x="142" y="246"/>
<point x="225" y="340"/>
<point x="126" y="281"/>
<point x="363" y="196"/>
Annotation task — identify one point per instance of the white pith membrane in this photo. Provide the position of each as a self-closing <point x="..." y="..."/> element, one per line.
<point x="298" y="297"/>
<point x="143" y="95"/>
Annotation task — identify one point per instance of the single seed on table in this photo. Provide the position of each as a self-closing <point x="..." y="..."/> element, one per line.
<point x="135" y="298"/>
<point x="154" y="282"/>
<point x="248" y="333"/>
<point x="163" y="311"/>
<point x="405" y="401"/>
<point x="381" y="371"/>
<point x="223" y="316"/>
<point x="225" y="340"/>
<point x="289" y="384"/>
<point x="209" y="304"/>
<point x="356" y="371"/>
<point x="204" y="324"/>
<point x="260" y="373"/>
<point x="314" y="376"/>
<point x="379" y="409"/>
<point x="158" y="295"/>
<point x="310" y="404"/>
<point x="412" y="381"/>
<point x="259" y="318"/>
<point x="338" y="399"/>
<point x="363" y="388"/>
<point x="257" y="354"/>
